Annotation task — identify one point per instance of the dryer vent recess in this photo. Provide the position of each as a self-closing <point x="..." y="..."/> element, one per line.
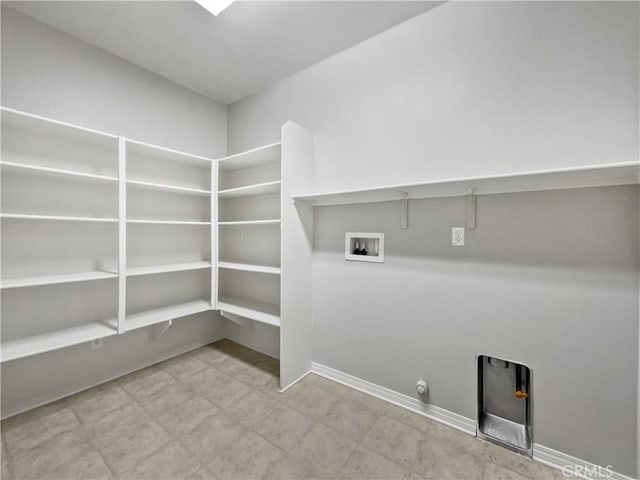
<point x="364" y="247"/>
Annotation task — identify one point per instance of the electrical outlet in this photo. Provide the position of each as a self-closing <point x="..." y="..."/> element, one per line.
<point x="457" y="236"/>
<point x="97" y="343"/>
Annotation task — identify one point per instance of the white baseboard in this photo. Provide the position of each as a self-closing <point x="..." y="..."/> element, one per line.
<point x="440" y="414"/>
<point x="284" y="389"/>
<point x="582" y="468"/>
<point x="542" y="454"/>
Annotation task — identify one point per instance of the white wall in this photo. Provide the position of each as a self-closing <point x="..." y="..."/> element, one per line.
<point x="551" y="279"/>
<point x="47" y="72"/>
<point x="468" y="88"/>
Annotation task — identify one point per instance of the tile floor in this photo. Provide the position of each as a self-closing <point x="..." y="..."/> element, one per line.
<point x="216" y="413"/>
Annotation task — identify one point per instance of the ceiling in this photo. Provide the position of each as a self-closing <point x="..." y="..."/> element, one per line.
<point x="249" y="46"/>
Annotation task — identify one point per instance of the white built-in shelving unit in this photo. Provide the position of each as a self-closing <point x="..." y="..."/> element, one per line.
<point x="264" y="255"/>
<point x="100" y="234"/>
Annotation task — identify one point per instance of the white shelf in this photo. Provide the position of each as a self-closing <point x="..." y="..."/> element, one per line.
<point x="26" y="120"/>
<point x="157" y="315"/>
<point x="57" y="218"/>
<point x="6" y="283"/>
<point x="578" y="177"/>
<point x="175" y="267"/>
<point x="274" y="221"/>
<point x="251" y="190"/>
<point x="258" y="311"/>
<point x="167" y="222"/>
<point x="47" y="342"/>
<point x="168" y="188"/>
<point x="246" y="267"/>
<point x="257" y="157"/>
<point x="57" y="171"/>
<point x="135" y="147"/>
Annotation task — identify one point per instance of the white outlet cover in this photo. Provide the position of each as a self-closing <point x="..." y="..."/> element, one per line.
<point x="457" y="236"/>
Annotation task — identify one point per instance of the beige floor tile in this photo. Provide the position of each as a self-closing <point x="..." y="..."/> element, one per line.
<point x="92" y="404"/>
<point x="449" y="454"/>
<point x="171" y="396"/>
<point x="126" y="417"/>
<point x="123" y="447"/>
<point x="365" y="464"/>
<point x="350" y="417"/>
<point x="183" y="367"/>
<point x="212" y="437"/>
<point x="201" y="474"/>
<point x="290" y="468"/>
<point x="394" y="440"/>
<point x="283" y="426"/>
<point x="170" y="462"/>
<point x="251" y="457"/>
<point x="494" y="471"/>
<point x="324" y="449"/>
<point x="371" y="402"/>
<point x="5" y="472"/>
<point x="518" y="463"/>
<point x="26" y="431"/>
<point x="184" y="418"/>
<point x="325" y="384"/>
<point x="145" y="383"/>
<point x="65" y="455"/>
<point x="403" y="415"/>
<point x="251" y="409"/>
<point x="311" y="401"/>
<point x="218" y="387"/>
<point x="210" y="355"/>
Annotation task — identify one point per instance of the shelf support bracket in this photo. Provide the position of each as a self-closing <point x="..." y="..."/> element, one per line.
<point x="157" y="330"/>
<point x="404" y="212"/>
<point x="243" y="322"/>
<point x="471" y="208"/>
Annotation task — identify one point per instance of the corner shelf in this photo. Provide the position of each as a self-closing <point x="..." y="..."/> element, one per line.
<point x="554" y="179"/>
<point x="251" y="309"/>
<point x="157" y="315"/>
<point x="168" y="188"/>
<point x="275" y="221"/>
<point x="257" y="157"/>
<point x="246" y="267"/>
<point x="166" y="222"/>
<point x="47" y="342"/>
<point x="55" y="279"/>
<point x="162" y="153"/>
<point x="168" y="268"/>
<point x="57" y="171"/>
<point x="251" y="190"/>
<point x="56" y="218"/>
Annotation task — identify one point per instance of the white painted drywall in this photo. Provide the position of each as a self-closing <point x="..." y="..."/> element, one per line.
<point x="551" y="279"/>
<point x="46" y="72"/>
<point x="468" y="88"/>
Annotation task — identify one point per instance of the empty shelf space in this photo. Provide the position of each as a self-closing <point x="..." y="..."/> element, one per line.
<point x="55" y="279"/>
<point x="254" y="310"/>
<point x="47" y="342"/>
<point x="257" y="189"/>
<point x="142" y="149"/>
<point x="166" y="222"/>
<point x="168" y="188"/>
<point x="247" y="267"/>
<point x="157" y="315"/>
<point x="57" y="171"/>
<point x="273" y="221"/>
<point x="256" y="157"/>
<point x="175" y="267"/>
<point x="56" y="218"/>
